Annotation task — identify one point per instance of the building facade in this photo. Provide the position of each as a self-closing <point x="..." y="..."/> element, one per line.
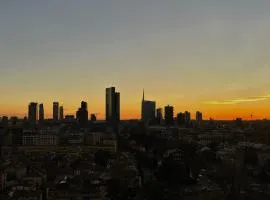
<point x="199" y="118"/>
<point x="82" y="114"/>
<point x="159" y="116"/>
<point x="112" y="105"/>
<point x="187" y="118"/>
<point x="39" y="139"/>
<point x="180" y="119"/>
<point x="61" y="113"/>
<point x="41" y="112"/>
<point x="148" y="113"/>
<point x="169" y="114"/>
<point x="32" y="113"/>
<point x="55" y="111"/>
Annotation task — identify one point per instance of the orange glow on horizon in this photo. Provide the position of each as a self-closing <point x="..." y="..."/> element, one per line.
<point x="214" y="113"/>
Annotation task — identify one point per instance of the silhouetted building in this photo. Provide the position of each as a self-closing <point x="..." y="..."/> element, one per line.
<point x="13" y="120"/>
<point x="93" y="117"/>
<point x="55" y="111"/>
<point x="238" y="122"/>
<point x="32" y="113"/>
<point x="61" y="112"/>
<point x="112" y="105"/>
<point x="187" y="118"/>
<point x="169" y="113"/>
<point x="148" y="110"/>
<point x="180" y="119"/>
<point x="82" y="114"/>
<point x="41" y="112"/>
<point x="70" y="118"/>
<point x="5" y="121"/>
<point x="199" y="118"/>
<point x="159" y="115"/>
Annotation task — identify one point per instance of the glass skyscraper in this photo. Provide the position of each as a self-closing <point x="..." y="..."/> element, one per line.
<point x="112" y="105"/>
<point x="148" y="110"/>
<point x="55" y="111"/>
<point x="32" y="113"/>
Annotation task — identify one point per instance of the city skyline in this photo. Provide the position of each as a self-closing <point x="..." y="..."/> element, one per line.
<point x="211" y="56"/>
<point x="58" y="111"/>
<point x="49" y="113"/>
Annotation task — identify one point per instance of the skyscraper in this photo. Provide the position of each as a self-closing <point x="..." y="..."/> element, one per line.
<point x="112" y="105"/>
<point x="55" y="111"/>
<point x="82" y="114"/>
<point x="93" y="117"/>
<point x="61" y="113"/>
<point x="41" y="112"/>
<point x="32" y="113"/>
<point x="181" y="119"/>
<point x="148" y="113"/>
<point x="169" y="113"/>
<point x="199" y="118"/>
<point x="187" y="118"/>
<point x="159" y="115"/>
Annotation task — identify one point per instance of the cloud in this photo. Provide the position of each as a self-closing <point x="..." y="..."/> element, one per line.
<point x="238" y="100"/>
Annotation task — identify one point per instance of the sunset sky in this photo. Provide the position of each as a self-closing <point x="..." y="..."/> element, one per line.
<point x="206" y="55"/>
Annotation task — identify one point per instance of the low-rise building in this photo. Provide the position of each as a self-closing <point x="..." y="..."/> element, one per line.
<point x="39" y="139"/>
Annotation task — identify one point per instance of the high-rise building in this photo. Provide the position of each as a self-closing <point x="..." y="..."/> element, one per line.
<point x="82" y="114"/>
<point x="199" y="118"/>
<point x="32" y="113"/>
<point x="41" y="112"/>
<point x="117" y="106"/>
<point x="181" y="119"/>
<point x="61" y="113"/>
<point x="93" y="117"/>
<point x="169" y="113"/>
<point x="187" y="118"/>
<point x="84" y="105"/>
<point x="159" y="115"/>
<point x="55" y="111"/>
<point x="148" y="113"/>
<point x="112" y="105"/>
<point x="5" y="121"/>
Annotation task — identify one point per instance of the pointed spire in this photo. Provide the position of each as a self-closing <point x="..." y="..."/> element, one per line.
<point x="143" y="95"/>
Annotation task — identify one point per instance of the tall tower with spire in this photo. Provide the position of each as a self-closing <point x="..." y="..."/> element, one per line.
<point x="148" y="112"/>
<point x="142" y="106"/>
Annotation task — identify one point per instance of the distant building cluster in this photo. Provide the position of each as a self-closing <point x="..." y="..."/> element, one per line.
<point x="151" y="115"/>
<point x="36" y="113"/>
